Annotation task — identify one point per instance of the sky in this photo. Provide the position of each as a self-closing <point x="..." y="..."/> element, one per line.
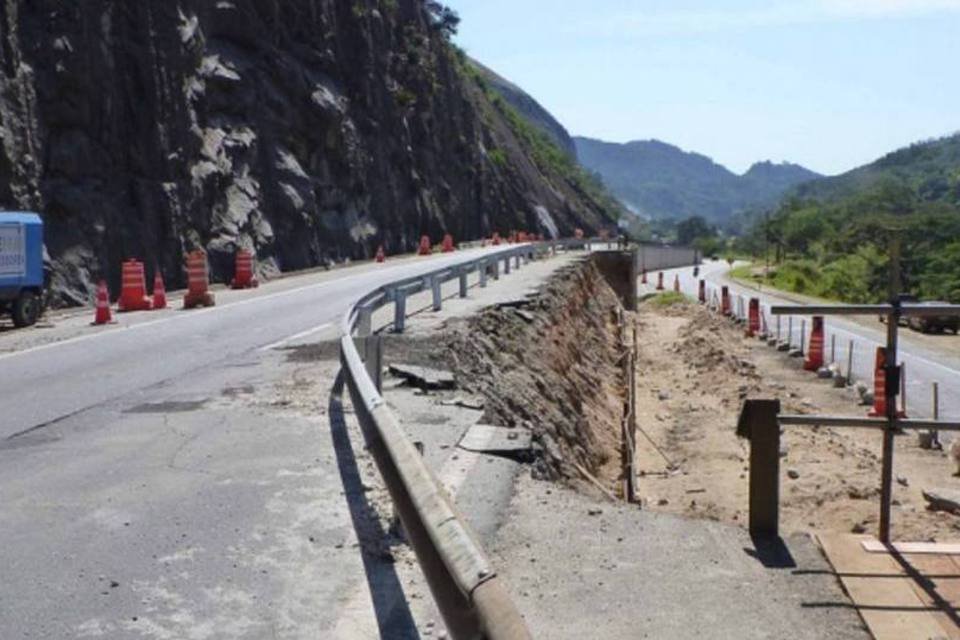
<point x="829" y="84"/>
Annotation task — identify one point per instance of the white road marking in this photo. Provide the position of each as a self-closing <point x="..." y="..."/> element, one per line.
<point x="296" y="336"/>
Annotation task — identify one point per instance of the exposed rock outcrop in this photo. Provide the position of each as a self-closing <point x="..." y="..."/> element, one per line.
<point x="308" y="130"/>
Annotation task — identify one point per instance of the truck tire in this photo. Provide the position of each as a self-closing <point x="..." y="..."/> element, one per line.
<point x="26" y="309"/>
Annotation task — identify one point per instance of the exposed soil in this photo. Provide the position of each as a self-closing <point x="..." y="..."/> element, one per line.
<point x="551" y="364"/>
<point x="694" y="370"/>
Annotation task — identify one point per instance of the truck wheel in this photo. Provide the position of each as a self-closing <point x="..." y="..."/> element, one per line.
<point x="26" y="309"/>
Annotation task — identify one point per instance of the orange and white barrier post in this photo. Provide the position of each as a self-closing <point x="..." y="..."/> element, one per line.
<point x="425" y="247"/>
<point x="814" y="359"/>
<point x="725" y="300"/>
<point x="660" y="281"/>
<point x="753" y="321"/>
<point x="133" y="290"/>
<point x="880" y="386"/>
<point x="243" y="277"/>
<point x="198" y="281"/>
<point x="702" y="294"/>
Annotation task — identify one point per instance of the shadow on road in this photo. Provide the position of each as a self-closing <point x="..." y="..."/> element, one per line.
<point x="390" y="605"/>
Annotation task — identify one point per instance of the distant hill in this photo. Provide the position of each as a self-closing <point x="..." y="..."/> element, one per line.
<point x="930" y="168"/>
<point x="659" y="180"/>
<point x="529" y="108"/>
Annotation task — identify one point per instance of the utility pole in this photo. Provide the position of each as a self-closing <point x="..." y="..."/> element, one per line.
<point x="892" y="383"/>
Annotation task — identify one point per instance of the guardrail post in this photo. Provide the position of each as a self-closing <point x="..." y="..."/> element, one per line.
<point x="483" y="273"/>
<point x="435" y="289"/>
<point x="399" y="310"/>
<point x="758" y="422"/>
<point x="506" y="266"/>
<point x="364" y="321"/>
<point x="496" y="269"/>
<point x="373" y="359"/>
<point x="463" y="281"/>
<point x="518" y="261"/>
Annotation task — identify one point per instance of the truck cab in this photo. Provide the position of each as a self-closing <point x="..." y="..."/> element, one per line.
<point x="21" y="266"/>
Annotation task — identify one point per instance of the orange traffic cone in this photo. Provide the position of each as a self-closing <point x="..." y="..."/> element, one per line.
<point x="159" y="292"/>
<point x="447" y="246"/>
<point x="103" y="315"/>
<point x="676" y="284"/>
<point x="725" y="301"/>
<point x="660" y="281"/>
<point x="702" y="293"/>
<point x="496" y="239"/>
<point x="381" y="256"/>
<point x="243" y="277"/>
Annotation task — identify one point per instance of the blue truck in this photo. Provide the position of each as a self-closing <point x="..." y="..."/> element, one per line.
<point x="21" y="266"/>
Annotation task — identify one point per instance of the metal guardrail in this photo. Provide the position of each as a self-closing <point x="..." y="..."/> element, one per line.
<point x="465" y="587"/>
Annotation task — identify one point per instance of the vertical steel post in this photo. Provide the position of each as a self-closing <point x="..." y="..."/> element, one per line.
<point x="399" y="311"/>
<point x="850" y="363"/>
<point x="437" y="296"/>
<point x="833" y="348"/>
<point x="893" y="326"/>
<point x="463" y="282"/>
<point x="483" y="274"/>
<point x="506" y="266"/>
<point x="803" y="336"/>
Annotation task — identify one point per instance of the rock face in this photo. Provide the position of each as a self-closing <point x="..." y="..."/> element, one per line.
<point x="308" y="130"/>
<point x="530" y="109"/>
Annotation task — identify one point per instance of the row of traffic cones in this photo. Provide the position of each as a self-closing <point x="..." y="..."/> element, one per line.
<point x="814" y="360"/>
<point x="133" y="292"/>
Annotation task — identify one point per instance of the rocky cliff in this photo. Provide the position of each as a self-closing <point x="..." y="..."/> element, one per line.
<point x="309" y="130"/>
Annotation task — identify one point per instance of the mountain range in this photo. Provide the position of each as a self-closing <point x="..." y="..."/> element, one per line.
<point x="660" y="181"/>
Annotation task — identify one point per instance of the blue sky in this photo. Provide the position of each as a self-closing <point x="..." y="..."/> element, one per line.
<point x="830" y="84"/>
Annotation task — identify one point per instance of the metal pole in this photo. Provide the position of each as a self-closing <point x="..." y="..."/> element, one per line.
<point x="778" y="328"/>
<point x="833" y="348"/>
<point x="803" y="335"/>
<point x="790" y="330"/>
<point x="893" y="324"/>
<point x="903" y="387"/>
<point x="850" y="363"/>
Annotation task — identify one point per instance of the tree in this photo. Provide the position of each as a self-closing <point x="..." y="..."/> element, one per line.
<point x="445" y="20"/>
<point x="693" y="228"/>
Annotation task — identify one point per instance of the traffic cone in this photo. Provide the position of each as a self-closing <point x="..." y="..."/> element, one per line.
<point x="643" y="277"/>
<point x="381" y="256"/>
<point x="133" y="292"/>
<point x="660" y="281"/>
<point x="447" y="246"/>
<point x="880" y="387"/>
<point x="814" y="359"/>
<point x="198" y="281"/>
<point x="495" y="241"/>
<point x="676" y="284"/>
<point x="159" y="292"/>
<point x="702" y="295"/>
<point x="102" y="314"/>
<point x="578" y="234"/>
<point x="725" y="300"/>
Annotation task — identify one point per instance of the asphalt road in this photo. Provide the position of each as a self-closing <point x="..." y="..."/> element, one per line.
<point x="180" y="475"/>
<point x="44" y="384"/>
<point x="925" y="363"/>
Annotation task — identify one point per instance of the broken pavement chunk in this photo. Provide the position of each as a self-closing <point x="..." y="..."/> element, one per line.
<point x="424" y="377"/>
<point x="943" y="500"/>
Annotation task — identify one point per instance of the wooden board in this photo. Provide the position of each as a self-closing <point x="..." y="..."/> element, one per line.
<point x="938" y="548"/>
<point x="881" y="591"/>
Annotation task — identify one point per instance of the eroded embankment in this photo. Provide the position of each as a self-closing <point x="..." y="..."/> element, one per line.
<point x="551" y="363"/>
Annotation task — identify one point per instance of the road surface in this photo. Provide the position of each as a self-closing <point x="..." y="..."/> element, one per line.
<point x="177" y="476"/>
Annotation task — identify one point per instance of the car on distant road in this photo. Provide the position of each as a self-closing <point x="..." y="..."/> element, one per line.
<point x="934" y="324"/>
